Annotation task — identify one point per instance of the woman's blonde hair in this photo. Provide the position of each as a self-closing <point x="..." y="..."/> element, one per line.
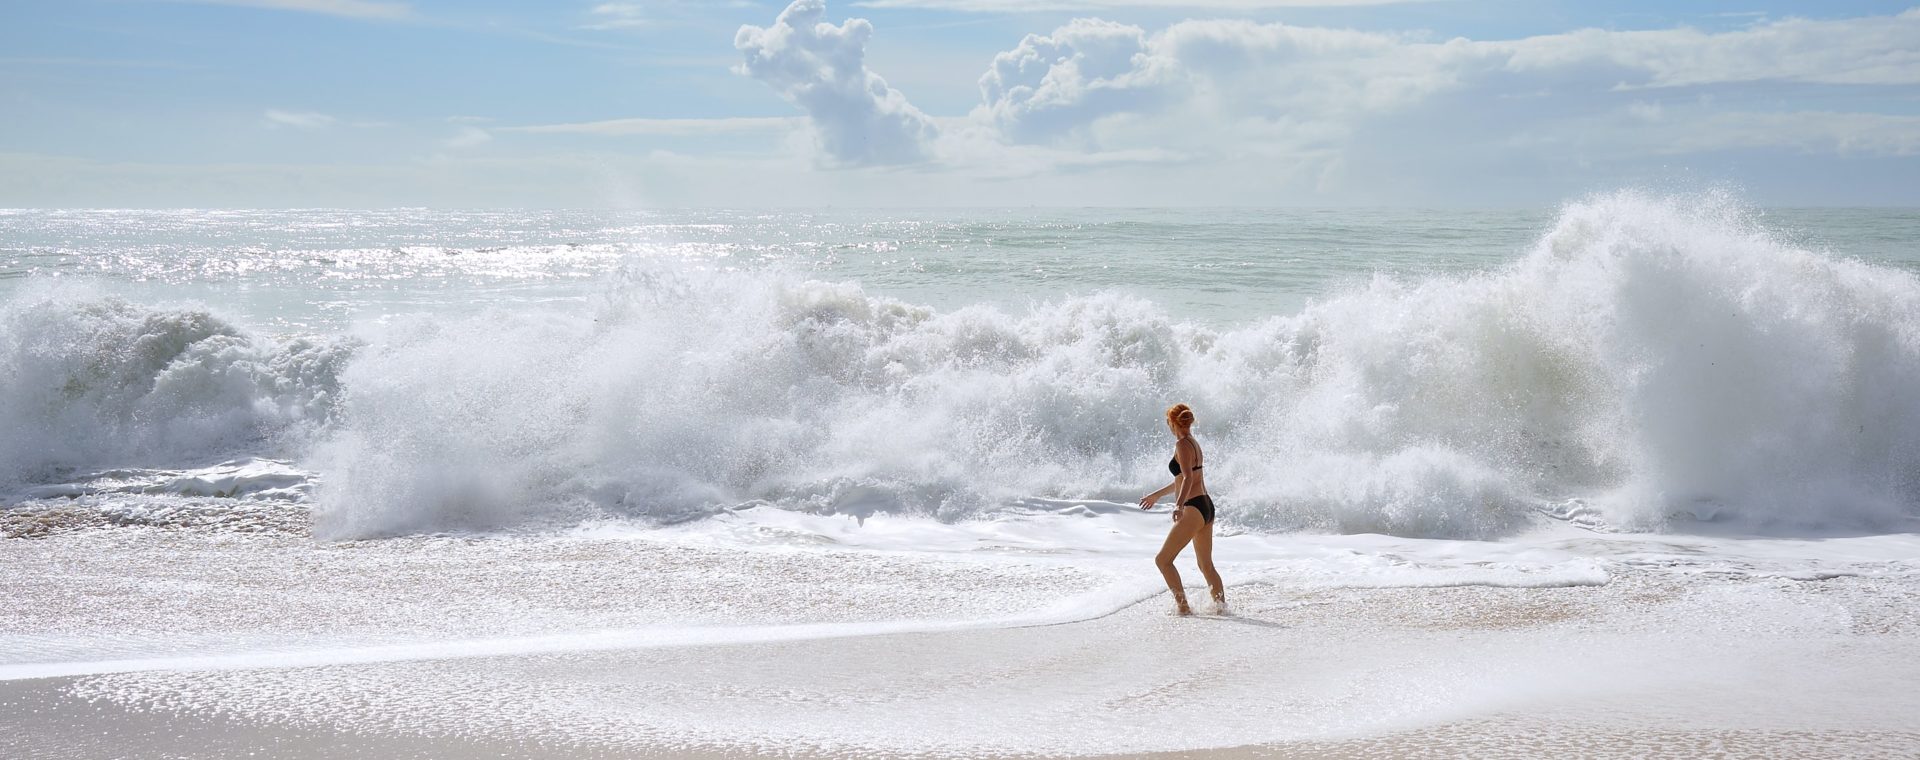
<point x="1180" y="416"/>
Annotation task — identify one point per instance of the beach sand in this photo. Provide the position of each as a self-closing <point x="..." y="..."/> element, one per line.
<point x="1659" y="661"/>
<point x="46" y="720"/>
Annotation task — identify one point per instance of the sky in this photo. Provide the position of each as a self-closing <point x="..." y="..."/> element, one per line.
<point x="736" y="103"/>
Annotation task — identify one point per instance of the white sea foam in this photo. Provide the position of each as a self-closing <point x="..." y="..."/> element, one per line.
<point x="1651" y="363"/>
<point x="1649" y="359"/>
<point x="262" y="478"/>
<point x="1086" y="607"/>
<point x="90" y="382"/>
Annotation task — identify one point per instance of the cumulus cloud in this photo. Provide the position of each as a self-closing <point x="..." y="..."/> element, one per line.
<point x="821" y="68"/>
<point x="1253" y="87"/>
<point x="1239" y="85"/>
<point x="1057" y="84"/>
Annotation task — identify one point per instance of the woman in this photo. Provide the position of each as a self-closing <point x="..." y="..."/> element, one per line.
<point x="1192" y="512"/>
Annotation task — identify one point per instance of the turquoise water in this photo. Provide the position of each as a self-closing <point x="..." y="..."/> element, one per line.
<point x="320" y="270"/>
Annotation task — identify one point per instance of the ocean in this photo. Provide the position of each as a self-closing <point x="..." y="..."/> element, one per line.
<point x="850" y="481"/>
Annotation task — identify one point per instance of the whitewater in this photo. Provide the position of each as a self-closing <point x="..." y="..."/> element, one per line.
<point x="834" y="482"/>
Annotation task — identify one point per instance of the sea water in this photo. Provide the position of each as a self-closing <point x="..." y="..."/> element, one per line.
<point x="1627" y="360"/>
<point x="425" y="436"/>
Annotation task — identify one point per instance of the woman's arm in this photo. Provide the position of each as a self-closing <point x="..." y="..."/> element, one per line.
<point x="1146" y="502"/>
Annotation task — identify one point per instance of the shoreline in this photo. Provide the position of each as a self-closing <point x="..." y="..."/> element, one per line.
<point x="182" y="644"/>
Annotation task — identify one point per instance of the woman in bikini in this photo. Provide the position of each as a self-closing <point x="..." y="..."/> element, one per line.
<point x="1192" y="512"/>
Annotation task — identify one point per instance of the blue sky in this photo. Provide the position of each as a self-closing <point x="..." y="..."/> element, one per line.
<point x="951" y="102"/>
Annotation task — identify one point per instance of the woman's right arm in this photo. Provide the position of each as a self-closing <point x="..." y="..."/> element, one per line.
<point x="1146" y="502"/>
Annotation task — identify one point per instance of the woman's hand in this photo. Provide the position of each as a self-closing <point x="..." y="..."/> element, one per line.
<point x="1146" y="502"/>
<point x="1176" y="511"/>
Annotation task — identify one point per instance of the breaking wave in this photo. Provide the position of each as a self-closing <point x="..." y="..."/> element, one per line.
<point x="1650" y="363"/>
<point x="90" y="382"/>
<point x="1649" y="359"/>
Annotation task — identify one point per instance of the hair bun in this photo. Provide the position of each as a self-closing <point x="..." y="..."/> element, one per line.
<point x="1180" y="414"/>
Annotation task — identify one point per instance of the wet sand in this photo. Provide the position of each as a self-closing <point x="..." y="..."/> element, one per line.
<point x="1667" y="658"/>
<point x="45" y="720"/>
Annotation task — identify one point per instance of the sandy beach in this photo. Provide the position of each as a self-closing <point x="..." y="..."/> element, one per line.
<point x="1668" y="656"/>
<point x="48" y="721"/>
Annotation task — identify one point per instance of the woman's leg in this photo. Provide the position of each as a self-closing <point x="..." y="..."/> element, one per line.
<point x="1177" y="538"/>
<point x="1203" y="551"/>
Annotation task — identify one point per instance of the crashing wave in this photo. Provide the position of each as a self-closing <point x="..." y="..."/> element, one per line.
<point x="1647" y="357"/>
<point x="1650" y="363"/>
<point x="89" y="383"/>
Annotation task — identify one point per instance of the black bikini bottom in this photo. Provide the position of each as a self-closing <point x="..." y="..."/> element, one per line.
<point x="1204" y="503"/>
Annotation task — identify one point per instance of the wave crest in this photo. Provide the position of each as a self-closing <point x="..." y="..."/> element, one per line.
<point x="1648" y="358"/>
<point x="89" y="382"/>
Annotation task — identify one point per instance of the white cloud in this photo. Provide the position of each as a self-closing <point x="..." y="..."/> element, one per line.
<point x="665" y="127"/>
<point x="821" y="68"/>
<point x="1197" y="112"/>
<point x="299" y="119"/>
<point x="363" y="9"/>
<point x="1236" y="85"/>
<point x="1246" y="87"/>
<point x="1057" y="84"/>
<point x="468" y="137"/>
<point x="1872" y="50"/>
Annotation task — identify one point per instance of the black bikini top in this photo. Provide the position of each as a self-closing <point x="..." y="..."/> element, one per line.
<point x="1173" y="466"/>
